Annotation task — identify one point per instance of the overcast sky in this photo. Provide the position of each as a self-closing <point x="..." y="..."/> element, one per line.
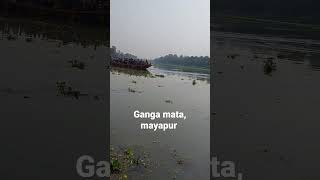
<point x="153" y="28"/>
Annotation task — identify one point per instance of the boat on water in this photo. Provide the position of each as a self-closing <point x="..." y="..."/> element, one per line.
<point x="137" y="64"/>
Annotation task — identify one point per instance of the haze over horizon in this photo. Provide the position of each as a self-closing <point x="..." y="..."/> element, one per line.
<point x="151" y="28"/>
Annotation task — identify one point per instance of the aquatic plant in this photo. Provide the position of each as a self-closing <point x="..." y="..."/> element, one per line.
<point x="96" y="97"/>
<point x="29" y="39"/>
<point x="125" y="160"/>
<point x="269" y="66"/>
<point x="131" y="90"/>
<point x="11" y="37"/>
<point x="233" y="56"/>
<point x="194" y="82"/>
<point x="159" y="75"/>
<point x="64" y="90"/>
<point x="77" y="64"/>
<point x="169" y="101"/>
<point x="180" y="162"/>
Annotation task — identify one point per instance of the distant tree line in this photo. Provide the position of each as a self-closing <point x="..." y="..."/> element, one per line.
<point x="118" y="54"/>
<point x="194" y="61"/>
<point x="304" y="11"/>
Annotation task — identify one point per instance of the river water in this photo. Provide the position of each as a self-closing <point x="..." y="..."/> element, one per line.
<point x="267" y="122"/>
<point x="43" y="131"/>
<point x="174" y="91"/>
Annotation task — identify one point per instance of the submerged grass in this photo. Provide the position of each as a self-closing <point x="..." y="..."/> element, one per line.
<point x="125" y="160"/>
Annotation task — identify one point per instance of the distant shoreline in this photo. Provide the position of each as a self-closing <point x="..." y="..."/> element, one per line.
<point x="182" y="68"/>
<point x="257" y="25"/>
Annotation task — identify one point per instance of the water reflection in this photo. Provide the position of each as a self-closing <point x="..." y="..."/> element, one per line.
<point x="50" y="102"/>
<point x="249" y="47"/>
<point x="266" y="94"/>
<point x="170" y="154"/>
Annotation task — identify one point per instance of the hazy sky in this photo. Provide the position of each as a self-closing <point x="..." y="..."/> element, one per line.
<point x="153" y="28"/>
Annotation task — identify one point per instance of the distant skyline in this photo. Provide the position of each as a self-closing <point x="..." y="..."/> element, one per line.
<point x="154" y="28"/>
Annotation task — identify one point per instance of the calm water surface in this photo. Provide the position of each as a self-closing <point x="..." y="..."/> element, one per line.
<point x="189" y="142"/>
<point x="267" y="123"/>
<point x="41" y="130"/>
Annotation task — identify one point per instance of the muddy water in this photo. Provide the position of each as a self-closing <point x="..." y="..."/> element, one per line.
<point x="41" y="129"/>
<point x="173" y="92"/>
<point x="267" y="122"/>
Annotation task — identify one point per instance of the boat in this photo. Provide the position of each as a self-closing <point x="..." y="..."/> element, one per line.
<point x="131" y="64"/>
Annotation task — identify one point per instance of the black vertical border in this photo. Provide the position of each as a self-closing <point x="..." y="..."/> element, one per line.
<point x="212" y="15"/>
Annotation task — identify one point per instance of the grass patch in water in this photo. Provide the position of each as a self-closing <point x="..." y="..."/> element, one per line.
<point x="125" y="160"/>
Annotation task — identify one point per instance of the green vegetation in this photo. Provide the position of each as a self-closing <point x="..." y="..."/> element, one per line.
<point x="184" y="63"/>
<point x="125" y="160"/>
